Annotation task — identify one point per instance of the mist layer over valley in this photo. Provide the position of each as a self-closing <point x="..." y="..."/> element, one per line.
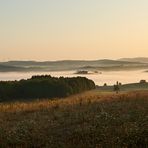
<point x="104" y="65"/>
<point x="100" y="71"/>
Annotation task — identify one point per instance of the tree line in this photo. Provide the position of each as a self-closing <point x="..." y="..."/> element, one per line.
<point x="44" y="86"/>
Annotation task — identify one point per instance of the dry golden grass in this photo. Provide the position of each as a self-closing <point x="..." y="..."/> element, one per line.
<point x="92" y="119"/>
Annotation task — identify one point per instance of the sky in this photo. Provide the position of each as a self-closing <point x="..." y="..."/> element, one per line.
<point x="73" y="29"/>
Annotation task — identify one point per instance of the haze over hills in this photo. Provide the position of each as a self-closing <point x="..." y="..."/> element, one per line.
<point x="6" y="68"/>
<point x="137" y="59"/>
<point x="67" y="62"/>
<point x="103" y="64"/>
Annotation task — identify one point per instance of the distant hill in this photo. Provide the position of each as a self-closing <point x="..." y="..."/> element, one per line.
<point x="4" y="68"/>
<point x="138" y="59"/>
<point x="7" y="68"/>
<point x="104" y="64"/>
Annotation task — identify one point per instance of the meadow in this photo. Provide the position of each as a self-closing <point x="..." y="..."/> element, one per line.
<point x="94" y="119"/>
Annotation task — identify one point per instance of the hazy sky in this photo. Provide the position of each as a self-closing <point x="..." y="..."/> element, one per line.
<point x="73" y="29"/>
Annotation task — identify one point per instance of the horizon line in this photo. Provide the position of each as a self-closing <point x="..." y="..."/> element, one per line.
<point x="60" y="60"/>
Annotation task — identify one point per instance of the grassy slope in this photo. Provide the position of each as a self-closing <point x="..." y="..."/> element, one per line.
<point x="126" y="87"/>
<point x="92" y="119"/>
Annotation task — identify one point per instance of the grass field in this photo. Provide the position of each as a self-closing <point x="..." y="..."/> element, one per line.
<point x="126" y="87"/>
<point x="90" y="120"/>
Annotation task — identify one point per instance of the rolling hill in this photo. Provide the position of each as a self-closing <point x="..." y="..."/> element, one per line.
<point x="104" y="64"/>
<point x="7" y="68"/>
<point x="138" y="59"/>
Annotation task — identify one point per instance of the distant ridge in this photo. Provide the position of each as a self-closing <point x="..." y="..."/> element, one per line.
<point x="137" y="59"/>
<point x="64" y="65"/>
<point x="5" y="68"/>
<point x="33" y="63"/>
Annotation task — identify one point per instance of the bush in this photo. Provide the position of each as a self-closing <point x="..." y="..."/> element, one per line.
<point x="142" y="81"/>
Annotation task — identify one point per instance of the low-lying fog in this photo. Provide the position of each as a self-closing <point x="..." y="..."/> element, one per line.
<point x="106" y="77"/>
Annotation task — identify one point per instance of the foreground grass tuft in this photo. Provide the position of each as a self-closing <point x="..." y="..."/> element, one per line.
<point x="92" y="119"/>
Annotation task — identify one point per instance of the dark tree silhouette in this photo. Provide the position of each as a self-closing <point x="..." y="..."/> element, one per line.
<point x="44" y="87"/>
<point x="117" y="87"/>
